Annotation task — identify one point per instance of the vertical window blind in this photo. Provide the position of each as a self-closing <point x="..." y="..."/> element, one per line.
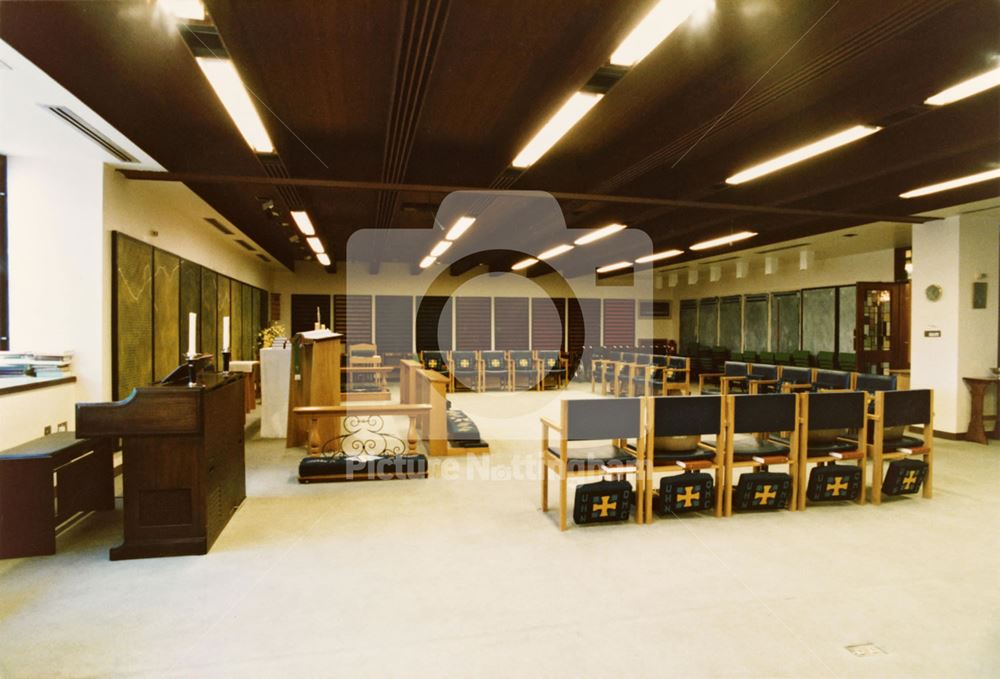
<point x="433" y="323"/>
<point x="511" y="322"/>
<point x="352" y="317"/>
<point x="547" y="323"/>
<point x="584" y="327"/>
<point x="619" y="322"/>
<point x="394" y="324"/>
<point x="473" y="323"/>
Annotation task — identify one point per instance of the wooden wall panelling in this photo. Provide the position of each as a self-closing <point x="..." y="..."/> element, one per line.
<point x="208" y="318"/>
<point x="236" y="320"/>
<point x="473" y="323"/>
<point x="132" y="335"/>
<point x="352" y="316"/>
<point x="223" y="309"/>
<point x="190" y="300"/>
<point x="166" y="313"/>
<point x="249" y="334"/>
<point x="619" y="322"/>
<point x="511" y="322"/>
<point x="303" y="314"/>
<point x="584" y="326"/>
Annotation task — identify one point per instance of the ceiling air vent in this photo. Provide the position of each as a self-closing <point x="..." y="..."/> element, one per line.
<point x="263" y="257"/>
<point x="85" y="128"/>
<point x="782" y="249"/>
<point x="243" y="244"/>
<point x="219" y="225"/>
<point x="905" y="114"/>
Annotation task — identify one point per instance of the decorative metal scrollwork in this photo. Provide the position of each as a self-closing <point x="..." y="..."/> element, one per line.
<point x="364" y="436"/>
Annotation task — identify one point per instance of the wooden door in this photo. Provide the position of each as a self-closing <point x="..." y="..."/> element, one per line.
<point x="881" y="333"/>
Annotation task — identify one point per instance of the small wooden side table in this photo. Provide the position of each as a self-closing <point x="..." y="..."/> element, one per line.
<point x="977" y="387"/>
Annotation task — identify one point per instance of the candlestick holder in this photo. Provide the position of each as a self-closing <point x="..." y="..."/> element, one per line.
<point x="225" y="361"/>
<point x="192" y="372"/>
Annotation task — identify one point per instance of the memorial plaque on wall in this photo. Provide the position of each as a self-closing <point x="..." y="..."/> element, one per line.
<point x="190" y="300"/>
<point x="166" y="313"/>
<point x="207" y="320"/>
<point x="223" y="310"/>
<point x="133" y="315"/>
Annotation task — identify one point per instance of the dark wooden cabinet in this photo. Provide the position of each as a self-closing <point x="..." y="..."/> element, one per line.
<point x="184" y="471"/>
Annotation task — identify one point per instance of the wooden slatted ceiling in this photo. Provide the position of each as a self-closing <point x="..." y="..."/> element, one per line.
<point x="473" y="323"/>
<point x="511" y="320"/>
<point x="394" y="323"/>
<point x="433" y="323"/>
<point x="548" y="318"/>
<point x="619" y="322"/>
<point x="584" y="328"/>
<point x="304" y="311"/>
<point x="352" y="317"/>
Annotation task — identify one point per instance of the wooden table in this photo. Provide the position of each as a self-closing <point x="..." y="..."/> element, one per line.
<point x="977" y="431"/>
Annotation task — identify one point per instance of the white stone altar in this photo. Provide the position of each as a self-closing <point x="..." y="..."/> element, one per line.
<point x="275" y="367"/>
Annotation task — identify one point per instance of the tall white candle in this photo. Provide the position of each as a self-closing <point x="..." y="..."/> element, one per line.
<point x="225" y="333"/>
<point x="192" y="329"/>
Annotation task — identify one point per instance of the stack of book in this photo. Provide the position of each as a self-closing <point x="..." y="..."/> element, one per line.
<point x="19" y="364"/>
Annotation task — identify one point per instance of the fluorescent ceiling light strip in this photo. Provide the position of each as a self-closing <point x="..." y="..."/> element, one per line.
<point x="323" y="259"/>
<point x="953" y="183"/>
<point x="524" y="264"/>
<point x="440" y="248"/>
<point x="966" y="88"/>
<point x="222" y="75"/>
<point x="555" y="252"/>
<point x="614" y="267"/>
<point x="656" y="256"/>
<point x="602" y="232"/>
<point x="804" y="152"/>
<point x="723" y="240"/>
<point x="185" y="9"/>
<point x="461" y="225"/>
<point x="427" y="261"/>
<point x="316" y="244"/>
<point x="660" y="22"/>
<point x="568" y="115"/>
<point x="302" y="221"/>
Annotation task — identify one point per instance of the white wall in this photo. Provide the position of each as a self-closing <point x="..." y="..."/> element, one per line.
<point x="25" y="414"/>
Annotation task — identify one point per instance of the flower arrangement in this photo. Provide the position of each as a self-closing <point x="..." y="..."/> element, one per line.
<point x="267" y="336"/>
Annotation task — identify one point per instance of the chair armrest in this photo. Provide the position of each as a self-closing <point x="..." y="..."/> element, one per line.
<point x="789" y="387"/>
<point x="549" y="424"/>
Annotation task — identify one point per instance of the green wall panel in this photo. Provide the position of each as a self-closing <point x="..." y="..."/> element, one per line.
<point x="255" y="315"/>
<point x="223" y="310"/>
<point x="755" y="323"/>
<point x="785" y="322"/>
<point x="236" y="319"/>
<point x="133" y="308"/>
<point x="166" y="313"/>
<point x="730" y="323"/>
<point x="190" y="300"/>
<point x="689" y="323"/>
<point x="207" y="319"/>
<point x="819" y="319"/>
<point x="708" y="321"/>
<point x="848" y="320"/>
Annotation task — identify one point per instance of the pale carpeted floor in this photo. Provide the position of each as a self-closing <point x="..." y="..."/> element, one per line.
<point x="462" y="575"/>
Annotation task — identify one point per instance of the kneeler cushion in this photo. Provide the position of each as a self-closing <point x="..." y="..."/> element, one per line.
<point x="762" y="490"/>
<point x="834" y="482"/>
<point x="462" y="431"/>
<point x="688" y="492"/>
<point x="904" y="477"/>
<point x="602" y="502"/>
<point x="356" y="469"/>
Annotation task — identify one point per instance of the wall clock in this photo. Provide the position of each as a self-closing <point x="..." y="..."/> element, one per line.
<point x="933" y="292"/>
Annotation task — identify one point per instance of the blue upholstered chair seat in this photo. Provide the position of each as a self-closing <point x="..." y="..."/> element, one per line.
<point x="592" y="457"/>
<point x="747" y="447"/>
<point x="667" y="457"/>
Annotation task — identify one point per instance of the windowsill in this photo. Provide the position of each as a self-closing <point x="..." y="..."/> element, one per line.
<point x="12" y="385"/>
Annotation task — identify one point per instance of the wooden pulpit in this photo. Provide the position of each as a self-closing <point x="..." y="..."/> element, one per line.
<point x="184" y="471"/>
<point x="314" y="381"/>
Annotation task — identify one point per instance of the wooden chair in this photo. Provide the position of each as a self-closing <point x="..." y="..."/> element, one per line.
<point x="783" y="358"/>
<point x="827" y="360"/>
<point x="465" y="368"/>
<point x="644" y="374"/>
<point x="767" y="357"/>
<point x="613" y="421"/>
<point x="793" y="379"/>
<point x="832" y="380"/>
<point x="762" y="378"/>
<point x="436" y="361"/>
<point x="871" y="382"/>
<point x="847" y="361"/>
<point x="675" y="377"/>
<point x="802" y="359"/>
<point x="496" y="365"/>
<point x="761" y="415"/>
<point x="893" y="411"/>
<point x="602" y="369"/>
<point x="674" y="427"/>
<point x="826" y="419"/>
<point x="553" y="367"/>
<point x="733" y="377"/>
<point x="523" y="366"/>
<point x="625" y="385"/>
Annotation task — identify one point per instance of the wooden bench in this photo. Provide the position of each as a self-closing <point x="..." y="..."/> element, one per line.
<point x="33" y="504"/>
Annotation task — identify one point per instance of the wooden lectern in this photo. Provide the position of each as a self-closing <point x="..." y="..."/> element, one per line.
<point x="184" y="470"/>
<point x="314" y="381"/>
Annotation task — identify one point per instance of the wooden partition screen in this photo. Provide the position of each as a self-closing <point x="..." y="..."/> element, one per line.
<point x="352" y="318"/>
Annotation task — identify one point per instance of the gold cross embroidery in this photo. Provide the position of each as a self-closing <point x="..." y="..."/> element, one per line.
<point x="522" y="362"/>
<point x="838" y="485"/>
<point x="605" y="506"/>
<point x="689" y="496"/>
<point x="464" y="363"/>
<point x="766" y="495"/>
<point x="911" y="478"/>
<point x="432" y="363"/>
<point x="495" y="362"/>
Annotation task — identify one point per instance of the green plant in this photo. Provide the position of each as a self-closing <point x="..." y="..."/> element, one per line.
<point x="266" y="337"/>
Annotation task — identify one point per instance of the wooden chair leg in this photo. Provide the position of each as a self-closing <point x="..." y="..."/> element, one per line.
<point x="877" y="480"/>
<point x="719" y="484"/>
<point x="863" y="464"/>
<point x="562" y="501"/>
<point x="929" y="479"/>
<point x="545" y="483"/>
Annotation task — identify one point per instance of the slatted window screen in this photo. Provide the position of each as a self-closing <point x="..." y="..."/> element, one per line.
<point x="433" y="323"/>
<point x="473" y="323"/>
<point x="352" y="317"/>
<point x="394" y="323"/>
<point x="584" y="327"/>
<point x="619" y="322"/>
<point x="304" y="312"/>
<point x="547" y="322"/>
<point x="511" y="322"/>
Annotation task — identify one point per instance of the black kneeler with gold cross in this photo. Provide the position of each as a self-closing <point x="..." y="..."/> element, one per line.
<point x="904" y="477"/>
<point x="602" y="502"/>
<point x="687" y="492"/>
<point x="762" y="490"/>
<point x="834" y="482"/>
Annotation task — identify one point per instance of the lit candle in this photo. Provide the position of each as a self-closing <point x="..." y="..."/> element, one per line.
<point x="192" y="329"/>
<point x="225" y="333"/>
<point x="318" y="319"/>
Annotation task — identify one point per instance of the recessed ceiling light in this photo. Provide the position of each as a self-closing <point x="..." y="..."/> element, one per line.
<point x="654" y="28"/>
<point x="185" y="9"/>
<point x="614" y="267"/>
<point x="803" y="152"/>
<point x="524" y="264"/>
<point x="315" y="244"/>
<point x="602" y="232"/>
<point x="303" y="222"/>
<point x="953" y="183"/>
<point x="427" y="261"/>
<point x="555" y="252"/>
<point x="439" y="249"/>
<point x="562" y="121"/>
<point x="323" y="259"/>
<point x="459" y="227"/>
<point x="966" y="88"/>
<point x="666" y="254"/>
<point x="723" y="240"/>
<point x="222" y="75"/>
